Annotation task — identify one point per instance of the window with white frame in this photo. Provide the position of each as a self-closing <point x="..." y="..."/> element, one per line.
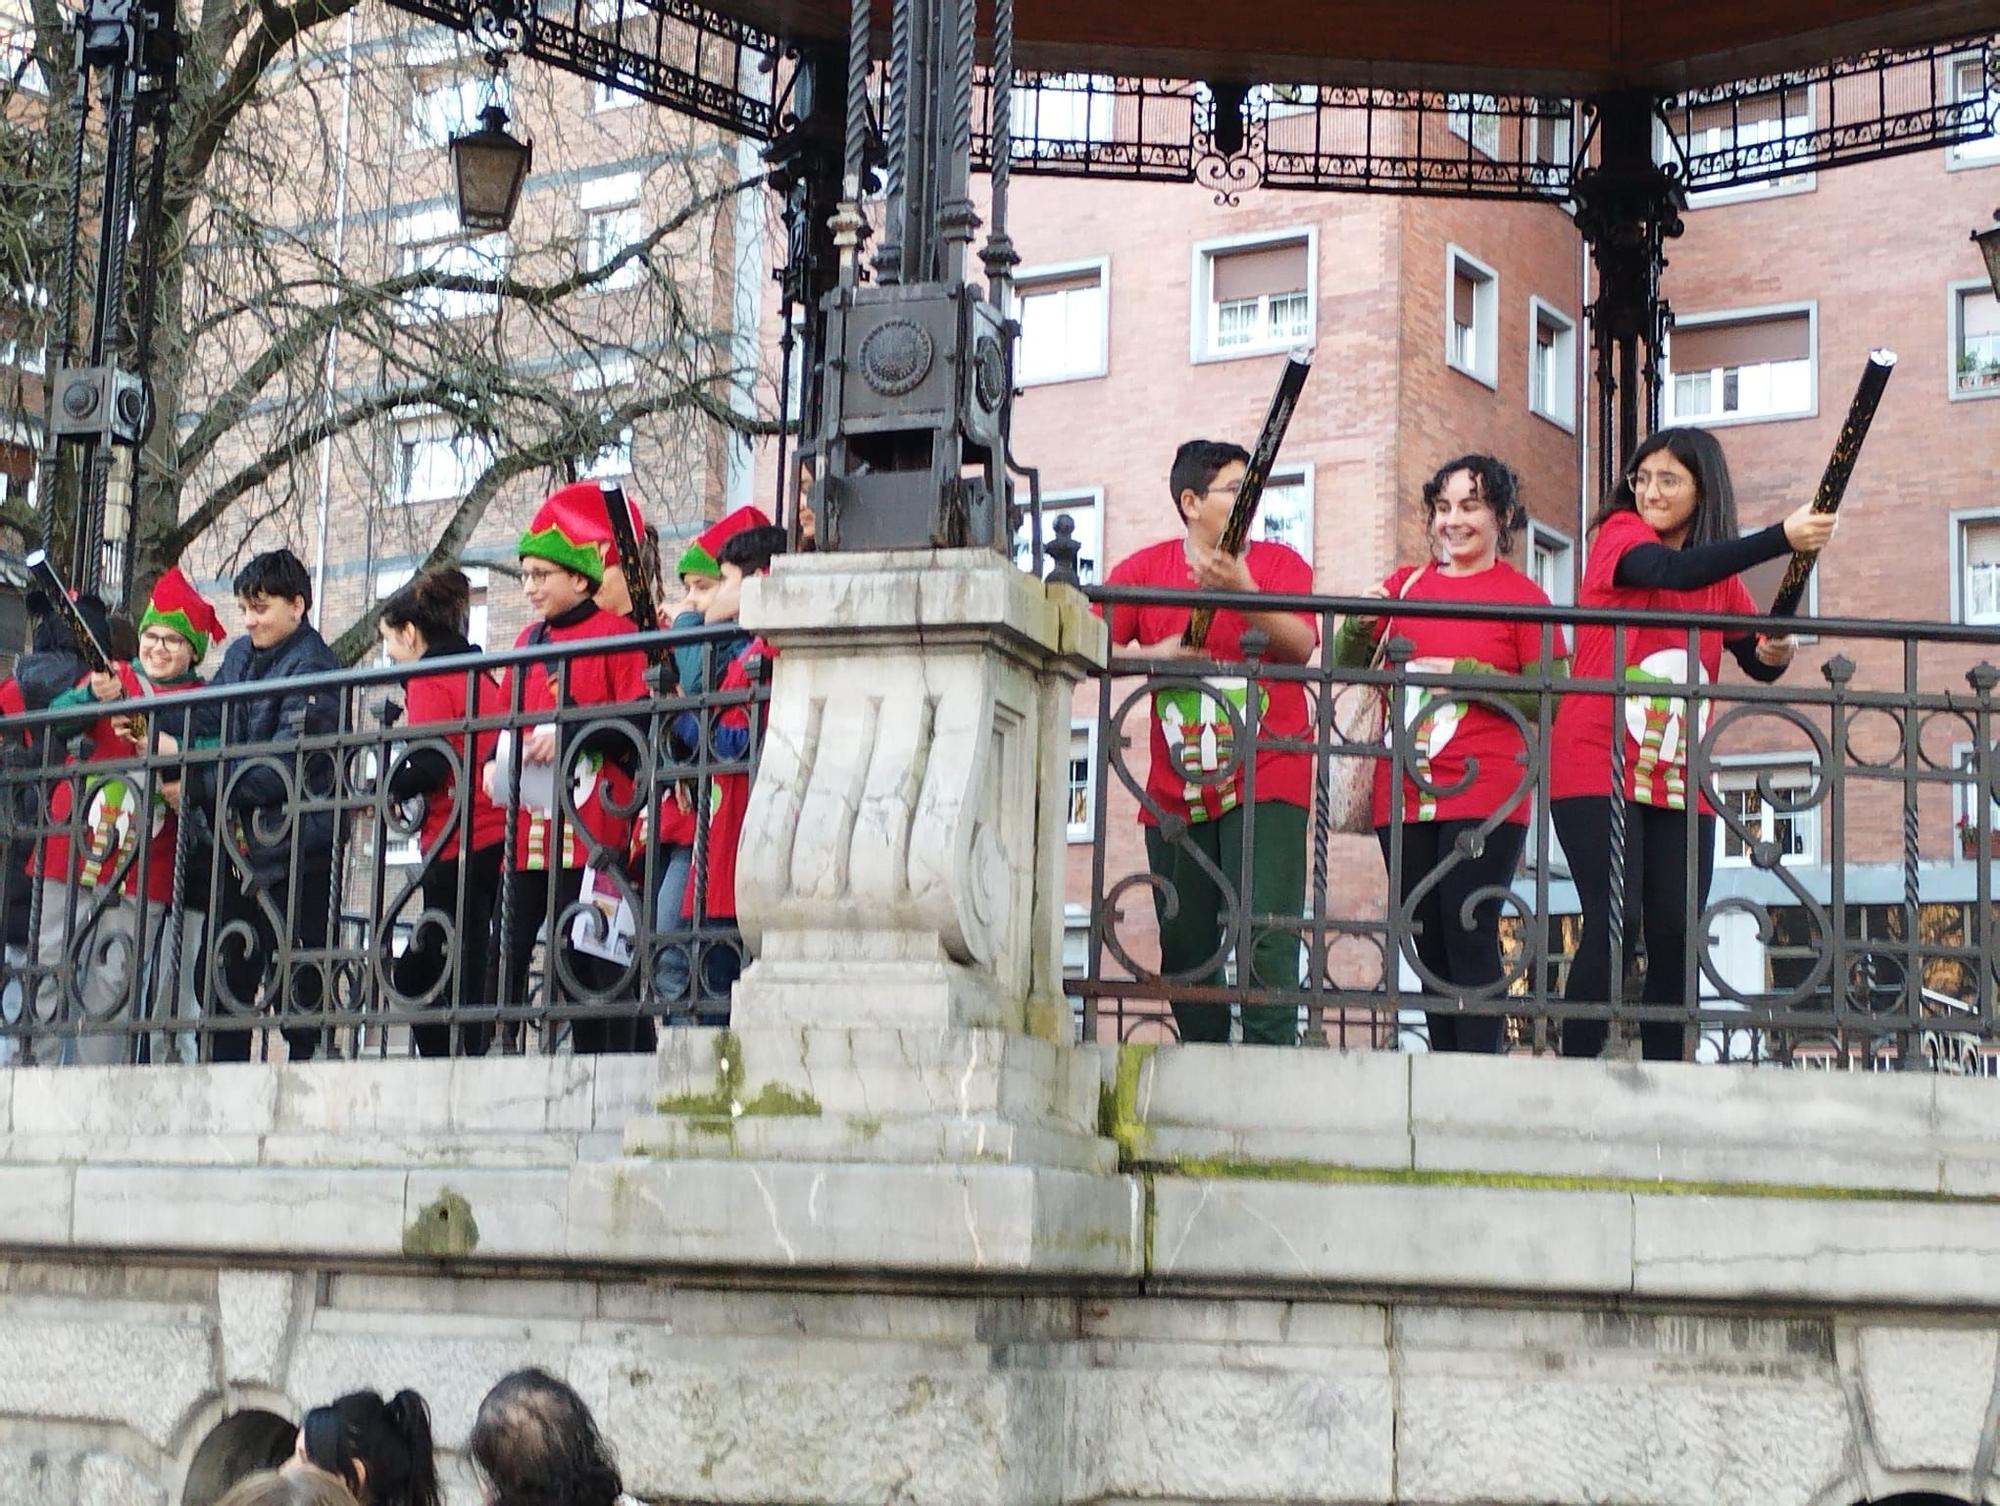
<point x="1256" y="297"/>
<point x="1085" y="510"/>
<point x="1082" y="813"/>
<point x="1726" y="368"/>
<point x="1061" y="112"/>
<point x="1284" y="512"/>
<point x="616" y="96"/>
<point x="613" y="458"/>
<point x="21" y="483"/>
<point x="1979" y="570"/>
<point x="1965" y="804"/>
<point x="435" y="462"/>
<point x="1281" y="101"/>
<point x="433" y="242"/>
<point x="1757" y="131"/>
<point x="1550" y="131"/>
<point x="1552" y="563"/>
<point x="602" y="369"/>
<point x="25" y="355"/>
<point x="1975" y="341"/>
<point x="1472" y="317"/>
<point x="1063" y="314"/>
<point x="448" y="107"/>
<point x="612" y="221"/>
<point x="1966" y="81"/>
<point x="1552" y="364"/>
<point x="18" y="64"/>
<point x="1475" y="119"/>
<point x="1760" y="797"/>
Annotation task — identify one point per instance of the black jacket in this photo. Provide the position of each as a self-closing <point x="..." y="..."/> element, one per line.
<point x="257" y="793"/>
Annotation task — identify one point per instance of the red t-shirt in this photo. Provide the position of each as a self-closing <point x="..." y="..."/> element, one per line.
<point x="1193" y="771"/>
<point x="1656" y="730"/>
<point x="442" y="698"/>
<point x="1458" y="736"/>
<point x="729" y="801"/>
<point x="602" y="679"/>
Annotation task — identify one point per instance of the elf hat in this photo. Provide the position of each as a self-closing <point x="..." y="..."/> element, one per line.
<point x="570" y="529"/>
<point x="177" y="605"/>
<point x="699" y="558"/>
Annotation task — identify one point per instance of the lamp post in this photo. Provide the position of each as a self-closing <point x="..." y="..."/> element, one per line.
<point x="1989" y="247"/>
<point x="489" y="166"/>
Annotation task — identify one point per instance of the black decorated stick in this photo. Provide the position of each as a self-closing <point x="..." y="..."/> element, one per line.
<point x="88" y="644"/>
<point x="638" y="578"/>
<point x="1833" y="481"/>
<point x="1236" y="532"/>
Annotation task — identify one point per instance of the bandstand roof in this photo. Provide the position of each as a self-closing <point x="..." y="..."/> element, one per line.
<point x="1545" y="46"/>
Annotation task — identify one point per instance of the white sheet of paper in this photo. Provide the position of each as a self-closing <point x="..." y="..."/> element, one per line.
<point x="615" y="945"/>
<point x="538" y="780"/>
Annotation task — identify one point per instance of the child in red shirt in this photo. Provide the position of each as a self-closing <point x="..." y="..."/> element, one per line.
<point x="1195" y="776"/>
<point x="1668" y="541"/>
<point x="562" y="566"/>
<point x="711" y="892"/>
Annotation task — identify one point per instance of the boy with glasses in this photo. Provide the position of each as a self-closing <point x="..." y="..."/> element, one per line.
<point x="1201" y="800"/>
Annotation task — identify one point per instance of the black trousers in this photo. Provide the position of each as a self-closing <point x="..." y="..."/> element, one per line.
<point x="1656" y="908"/>
<point x="528" y="911"/>
<point x="243" y="966"/>
<point x="1458" y="951"/>
<point x="467" y="953"/>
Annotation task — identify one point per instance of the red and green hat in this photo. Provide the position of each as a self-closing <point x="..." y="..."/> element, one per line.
<point x="176" y="604"/>
<point x="570" y="529"/>
<point x="699" y="558"/>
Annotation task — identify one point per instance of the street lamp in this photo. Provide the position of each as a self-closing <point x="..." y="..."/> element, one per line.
<point x="489" y="166"/>
<point x="1989" y="247"/>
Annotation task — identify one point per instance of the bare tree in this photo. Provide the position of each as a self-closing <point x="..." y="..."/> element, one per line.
<point x="332" y="356"/>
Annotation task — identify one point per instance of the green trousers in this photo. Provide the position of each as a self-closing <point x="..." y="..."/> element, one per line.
<point x="1194" y="915"/>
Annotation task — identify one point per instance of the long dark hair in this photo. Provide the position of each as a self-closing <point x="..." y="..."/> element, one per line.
<point x="390" y="1440"/>
<point x="1494" y="483"/>
<point x="1714" y="519"/>
<point x="536" y="1444"/>
<point x="435" y="603"/>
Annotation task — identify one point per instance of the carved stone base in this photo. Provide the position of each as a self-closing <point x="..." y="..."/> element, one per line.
<point x="901" y="862"/>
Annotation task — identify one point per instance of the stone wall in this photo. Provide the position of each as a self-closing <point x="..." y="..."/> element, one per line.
<point x="1348" y="1279"/>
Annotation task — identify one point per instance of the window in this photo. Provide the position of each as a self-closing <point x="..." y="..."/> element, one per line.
<point x="436" y="463"/>
<point x="1965" y="805"/>
<point x="1795" y="833"/>
<point x="1475" y="119"/>
<point x="1061" y="112"/>
<point x="1979" y="570"/>
<point x="1284" y="514"/>
<point x="450" y="106"/>
<point x="613" y="459"/>
<point x="1253" y="298"/>
<point x="1552" y="563"/>
<point x="21" y="482"/>
<point x="1967" y="84"/>
<point x="1552" y="364"/>
<point x="18" y="64"/>
<point x="1975" y="340"/>
<point x="433" y="242"/>
<point x="602" y="369"/>
<point x="1283" y="100"/>
<point x="612" y="221"/>
<point x="1750" y="132"/>
<point x="1082" y="779"/>
<point x="616" y="96"/>
<point x="1063" y="314"/>
<point x="25" y="357"/>
<point x="1550" y="131"/>
<point x="1085" y="509"/>
<point x="1727" y="368"/>
<point x="1472" y="317"/>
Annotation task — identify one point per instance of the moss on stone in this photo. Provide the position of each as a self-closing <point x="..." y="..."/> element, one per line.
<point x="445" y="1226"/>
<point x="776" y="1101"/>
<point x="716" y="1111"/>
<point x="1118" y="1102"/>
<point x="864" y="1126"/>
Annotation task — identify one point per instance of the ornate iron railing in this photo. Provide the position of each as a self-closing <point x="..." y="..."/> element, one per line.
<point x="292" y="889"/>
<point x="1852" y="921"/>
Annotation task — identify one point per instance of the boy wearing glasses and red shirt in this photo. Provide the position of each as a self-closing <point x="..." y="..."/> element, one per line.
<point x="1200" y="797"/>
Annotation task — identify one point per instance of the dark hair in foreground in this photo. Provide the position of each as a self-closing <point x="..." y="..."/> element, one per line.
<point x="1714" y="520"/>
<point x="391" y="1441"/>
<point x="435" y="604"/>
<point x="292" y="1487"/>
<point x="536" y="1444"/>
<point x="276" y="572"/>
<point x="1494" y="483"/>
<point x="1197" y="463"/>
<point x="752" y="550"/>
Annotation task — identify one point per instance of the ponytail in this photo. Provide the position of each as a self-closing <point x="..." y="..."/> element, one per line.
<point x="382" y="1450"/>
<point x="410" y="1418"/>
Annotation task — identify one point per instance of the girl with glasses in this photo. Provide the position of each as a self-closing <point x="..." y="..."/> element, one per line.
<point x="1667" y="540"/>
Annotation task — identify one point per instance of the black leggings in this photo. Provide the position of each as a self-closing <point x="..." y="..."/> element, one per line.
<point x="1656" y="864"/>
<point x="1468" y="956"/>
<point x="528" y="911"/>
<point x="427" y="957"/>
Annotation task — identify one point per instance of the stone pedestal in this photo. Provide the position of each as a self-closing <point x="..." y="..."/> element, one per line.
<point x="899" y="1077"/>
